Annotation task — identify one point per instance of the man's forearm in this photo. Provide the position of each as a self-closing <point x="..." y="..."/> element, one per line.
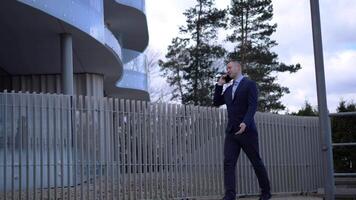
<point x="218" y="97"/>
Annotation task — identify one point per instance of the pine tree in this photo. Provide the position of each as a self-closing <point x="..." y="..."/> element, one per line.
<point x="188" y="65"/>
<point x="250" y="23"/>
<point x="307" y="110"/>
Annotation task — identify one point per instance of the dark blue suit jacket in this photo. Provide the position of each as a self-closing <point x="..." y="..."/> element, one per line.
<point x="242" y="108"/>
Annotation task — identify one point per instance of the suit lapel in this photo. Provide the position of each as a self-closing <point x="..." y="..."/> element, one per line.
<point x="237" y="89"/>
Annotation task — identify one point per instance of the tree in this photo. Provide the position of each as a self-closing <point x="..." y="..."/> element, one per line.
<point x="158" y="92"/>
<point x="344" y="131"/>
<point x="307" y="110"/>
<point x="189" y="62"/>
<point x="251" y="31"/>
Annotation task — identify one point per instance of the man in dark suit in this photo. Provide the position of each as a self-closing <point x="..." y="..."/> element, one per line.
<point x="241" y="132"/>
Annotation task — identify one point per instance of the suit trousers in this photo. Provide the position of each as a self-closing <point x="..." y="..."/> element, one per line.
<point x="233" y="144"/>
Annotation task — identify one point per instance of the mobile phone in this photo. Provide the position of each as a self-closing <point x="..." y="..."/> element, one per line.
<point x="227" y="77"/>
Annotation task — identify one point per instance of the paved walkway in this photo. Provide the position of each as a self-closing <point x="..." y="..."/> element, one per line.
<point x="286" y="198"/>
<point x="279" y="197"/>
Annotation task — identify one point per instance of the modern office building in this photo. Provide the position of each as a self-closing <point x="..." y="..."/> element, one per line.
<point x="72" y="47"/>
<point x="80" y="47"/>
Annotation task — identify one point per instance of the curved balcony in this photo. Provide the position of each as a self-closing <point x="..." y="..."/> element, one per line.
<point x="134" y="82"/>
<point x="138" y="4"/>
<point x="29" y="37"/>
<point x="133" y="33"/>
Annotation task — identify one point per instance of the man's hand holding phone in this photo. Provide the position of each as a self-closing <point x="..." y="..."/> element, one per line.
<point x="224" y="79"/>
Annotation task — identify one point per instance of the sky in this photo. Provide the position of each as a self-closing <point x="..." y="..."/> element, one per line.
<point x="295" y="45"/>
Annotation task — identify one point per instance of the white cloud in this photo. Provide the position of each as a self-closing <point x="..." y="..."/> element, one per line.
<point x="294" y="35"/>
<point x="339" y="74"/>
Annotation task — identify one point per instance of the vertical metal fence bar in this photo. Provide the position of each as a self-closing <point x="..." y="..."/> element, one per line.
<point x="288" y="170"/>
<point x="21" y="133"/>
<point x="279" y="137"/>
<point x="310" y="175"/>
<point x="311" y="156"/>
<point x="175" y="152"/>
<point x="145" y="150"/>
<point x="214" y="150"/>
<point x="155" y="153"/>
<point x="305" y="171"/>
<point x="68" y="142"/>
<point x="284" y="163"/>
<point x="48" y="119"/>
<point x="187" y="165"/>
<point x="315" y="154"/>
<point x="170" y="154"/>
<point x="290" y="156"/>
<point x="299" y="157"/>
<point x="160" y="150"/>
<point x="159" y="129"/>
<point x="106" y="144"/>
<point x="181" y="118"/>
<point x="61" y="137"/>
<point x="129" y="150"/>
<point x="209" y="151"/>
<point x="141" y="144"/>
<point x="41" y="127"/>
<point x="75" y="128"/>
<point x="272" y="134"/>
<point x="3" y="108"/>
<point x="103" y="149"/>
<point x="203" y="140"/>
<point x="198" y="148"/>
<point x="81" y="132"/>
<point x="13" y="147"/>
<point x="193" y="160"/>
<point x="111" y="125"/>
<point x="116" y="145"/>
<point x="206" y="172"/>
<point x="55" y="147"/>
<point x="100" y="140"/>
<point x="218" y="134"/>
<point x="188" y="140"/>
<point x="295" y="156"/>
<point x="163" y="149"/>
<point x="123" y="151"/>
<point x="304" y="174"/>
<point x="95" y="141"/>
<point x="194" y="146"/>
<point x="223" y="124"/>
<point x="150" y="149"/>
<point x="85" y="110"/>
<point x="28" y="137"/>
<point x="166" y="149"/>
<point x="133" y="134"/>
<point x="205" y="165"/>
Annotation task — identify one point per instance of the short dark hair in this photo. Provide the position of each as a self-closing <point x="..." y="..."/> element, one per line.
<point x="234" y="60"/>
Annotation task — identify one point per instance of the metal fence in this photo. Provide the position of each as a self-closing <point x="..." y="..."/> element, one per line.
<point x="69" y="147"/>
<point x="343" y="144"/>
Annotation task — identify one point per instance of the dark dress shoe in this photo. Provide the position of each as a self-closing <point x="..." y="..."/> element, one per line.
<point x="265" y="196"/>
